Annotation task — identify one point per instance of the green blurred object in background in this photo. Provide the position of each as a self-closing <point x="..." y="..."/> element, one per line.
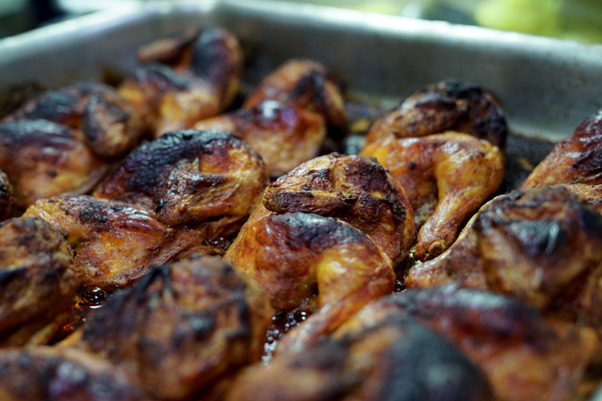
<point x="568" y="19"/>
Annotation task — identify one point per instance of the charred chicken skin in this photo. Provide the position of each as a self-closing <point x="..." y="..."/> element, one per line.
<point x="187" y="177"/>
<point x="7" y="198"/>
<point x="188" y="78"/>
<point x="181" y="328"/>
<point x="446" y="177"/>
<point x="305" y="84"/>
<point x="42" y="159"/>
<point x="37" y="281"/>
<point x="99" y="116"/>
<point x="284" y="136"/>
<point x="575" y="160"/>
<point x="296" y="256"/>
<point x="396" y="359"/>
<point x="541" y="245"/>
<point x="115" y="243"/>
<point x="58" y="374"/>
<point x="525" y="356"/>
<point x="355" y="189"/>
<point x="449" y="105"/>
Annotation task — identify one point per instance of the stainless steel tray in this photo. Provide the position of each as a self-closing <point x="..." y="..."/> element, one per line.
<point x="547" y="86"/>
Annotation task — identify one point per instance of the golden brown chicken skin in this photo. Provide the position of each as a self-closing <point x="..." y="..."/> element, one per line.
<point x="541" y="245"/>
<point x="187" y="177"/>
<point x="396" y="359"/>
<point x="306" y="84"/>
<point x="355" y="189"/>
<point x="575" y="160"/>
<point x="99" y="116"/>
<point x="590" y="194"/>
<point x="58" y="374"/>
<point x="200" y="80"/>
<point x="525" y="356"/>
<point x="42" y="159"/>
<point x="182" y="328"/>
<point x="449" y="105"/>
<point x="446" y="178"/>
<point x="7" y="198"/>
<point x="312" y="262"/>
<point x="115" y="243"/>
<point x="38" y="283"/>
<point x="284" y="136"/>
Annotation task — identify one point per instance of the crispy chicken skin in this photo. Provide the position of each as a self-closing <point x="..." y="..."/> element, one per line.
<point x="181" y="328"/>
<point x="189" y="176"/>
<point x="284" y="136"/>
<point x="7" y="198"/>
<point x="590" y="194"/>
<point x="355" y="189"/>
<point x="42" y="159"/>
<point x="541" y="245"/>
<point x="446" y="178"/>
<point x="396" y="359"/>
<point x="449" y="105"/>
<point x="55" y="374"/>
<point x="293" y="256"/>
<point x="306" y="84"/>
<point x="525" y="356"/>
<point x="99" y="116"/>
<point x="575" y="160"/>
<point x="115" y="243"/>
<point x="187" y="79"/>
<point x="37" y="281"/>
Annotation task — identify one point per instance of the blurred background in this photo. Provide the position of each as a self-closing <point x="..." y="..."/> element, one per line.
<point x="579" y="20"/>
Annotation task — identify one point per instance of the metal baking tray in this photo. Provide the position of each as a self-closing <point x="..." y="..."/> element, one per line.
<point x="546" y="86"/>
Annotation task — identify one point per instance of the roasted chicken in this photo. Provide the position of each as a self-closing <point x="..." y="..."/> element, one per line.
<point x="284" y="136"/>
<point x="181" y="329"/>
<point x="7" y="197"/>
<point x="305" y="84"/>
<point x="54" y="374"/>
<point x="395" y="359"/>
<point x="446" y="177"/>
<point x="38" y="283"/>
<point x="449" y="105"/>
<point x="295" y="257"/>
<point x="189" y="177"/>
<point x="574" y="160"/>
<point x="543" y="246"/>
<point x="100" y="118"/>
<point x="526" y="357"/>
<point x="187" y="78"/>
<point x="42" y="159"/>
<point x="115" y="243"/>
<point x="355" y="189"/>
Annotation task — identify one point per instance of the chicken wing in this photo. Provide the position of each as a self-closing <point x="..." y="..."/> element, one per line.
<point x="115" y="243"/>
<point x="201" y="81"/>
<point x="396" y="359"/>
<point x="306" y="84"/>
<point x="187" y="177"/>
<point x="53" y="374"/>
<point x="181" y="328"/>
<point x="575" y="160"/>
<point x="42" y="159"/>
<point x="284" y="136"/>
<point x="38" y="283"/>
<point x="541" y="245"/>
<point x="293" y="256"/>
<point x="449" y="105"/>
<point x="99" y="116"/>
<point x="355" y="189"/>
<point x="525" y="357"/>
<point x="446" y="178"/>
